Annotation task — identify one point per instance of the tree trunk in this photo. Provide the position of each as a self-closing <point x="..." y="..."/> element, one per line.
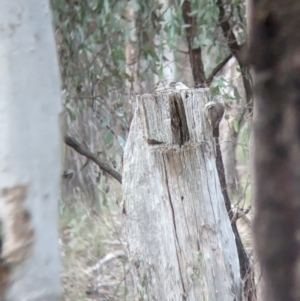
<point x="228" y="135"/>
<point x="180" y="239"/>
<point x="29" y="152"/>
<point x="274" y="55"/>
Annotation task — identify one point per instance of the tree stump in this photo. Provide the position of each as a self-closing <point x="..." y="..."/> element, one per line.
<point x="180" y="241"/>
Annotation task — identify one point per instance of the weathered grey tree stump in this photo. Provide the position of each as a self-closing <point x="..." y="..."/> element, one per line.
<point x="179" y="235"/>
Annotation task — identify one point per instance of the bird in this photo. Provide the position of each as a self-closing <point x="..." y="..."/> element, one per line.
<point x="214" y="111"/>
<point x="178" y="86"/>
<point x="68" y="174"/>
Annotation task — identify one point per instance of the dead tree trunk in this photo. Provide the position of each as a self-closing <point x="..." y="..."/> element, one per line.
<point x="180" y="240"/>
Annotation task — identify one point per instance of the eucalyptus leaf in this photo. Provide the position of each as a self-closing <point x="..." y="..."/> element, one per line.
<point x="235" y="124"/>
<point x="236" y="93"/>
<point x="108" y="137"/>
<point x="121" y="141"/>
<point x="71" y="113"/>
<point x="160" y="72"/>
<point x="105" y="122"/>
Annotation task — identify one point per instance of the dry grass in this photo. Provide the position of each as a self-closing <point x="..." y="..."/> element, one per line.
<point x="94" y="260"/>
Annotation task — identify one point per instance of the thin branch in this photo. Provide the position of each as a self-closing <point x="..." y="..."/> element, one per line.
<point x="240" y="213"/>
<point x="236" y="50"/>
<point x="104" y="165"/>
<point x="247" y="274"/>
<point x="181" y="51"/>
<point x="217" y="69"/>
<point x="195" y="54"/>
<point x="227" y="30"/>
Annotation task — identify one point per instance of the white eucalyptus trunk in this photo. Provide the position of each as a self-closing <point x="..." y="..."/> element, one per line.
<point x="30" y="152"/>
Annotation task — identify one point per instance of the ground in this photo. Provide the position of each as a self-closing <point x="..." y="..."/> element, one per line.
<point x="93" y="253"/>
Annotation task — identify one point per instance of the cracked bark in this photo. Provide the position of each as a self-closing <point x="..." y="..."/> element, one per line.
<point x="180" y="240"/>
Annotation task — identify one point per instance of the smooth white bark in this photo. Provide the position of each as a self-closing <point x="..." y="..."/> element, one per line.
<point x="30" y="104"/>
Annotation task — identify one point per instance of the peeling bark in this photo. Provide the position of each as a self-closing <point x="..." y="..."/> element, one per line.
<point x="16" y="221"/>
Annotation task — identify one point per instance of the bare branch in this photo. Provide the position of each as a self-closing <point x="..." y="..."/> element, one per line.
<point x="227" y="30"/>
<point x="104" y="165"/>
<point x="195" y="54"/>
<point x="236" y="50"/>
<point x="247" y="273"/>
<point x="217" y="69"/>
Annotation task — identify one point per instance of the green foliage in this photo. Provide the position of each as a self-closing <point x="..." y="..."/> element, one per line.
<point x="92" y="36"/>
<point x="108" y="137"/>
<point x="91" y="42"/>
<point x="235" y="124"/>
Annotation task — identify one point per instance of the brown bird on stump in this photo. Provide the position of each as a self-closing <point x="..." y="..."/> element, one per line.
<point x="214" y="111"/>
